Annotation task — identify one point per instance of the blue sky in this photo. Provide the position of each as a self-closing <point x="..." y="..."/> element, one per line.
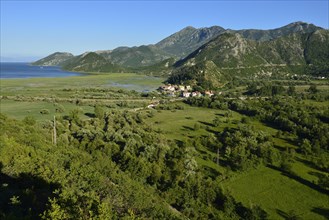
<point x="33" y="29"/>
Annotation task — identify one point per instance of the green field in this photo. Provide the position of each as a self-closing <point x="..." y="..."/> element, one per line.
<point x="22" y="97"/>
<point x="20" y="110"/>
<point x="179" y="124"/>
<point x="53" y="86"/>
<point x="278" y="194"/>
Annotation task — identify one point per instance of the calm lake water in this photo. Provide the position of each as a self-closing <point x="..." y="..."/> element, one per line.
<point x="25" y="70"/>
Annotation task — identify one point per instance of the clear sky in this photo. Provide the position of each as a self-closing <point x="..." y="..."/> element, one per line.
<point x="33" y="29"/>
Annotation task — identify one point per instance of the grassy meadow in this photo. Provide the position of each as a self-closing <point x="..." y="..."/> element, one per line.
<point x="22" y="97"/>
<point x="21" y="109"/>
<point x="279" y="195"/>
<point x="53" y="86"/>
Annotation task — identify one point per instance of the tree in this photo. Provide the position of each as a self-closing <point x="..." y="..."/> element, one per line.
<point x="277" y="90"/>
<point x="29" y="120"/>
<point x="324" y="181"/>
<point x="306" y="147"/>
<point x="60" y="108"/>
<point x="244" y="120"/>
<point x="196" y="126"/>
<point x="256" y="212"/>
<point x="44" y="111"/>
<point x="252" y="88"/>
<point x="286" y="162"/>
<point x="313" y="89"/>
<point x="74" y="114"/>
<point x="99" y="112"/>
<point x="291" y="90"/>
<point x="216" y="121"/>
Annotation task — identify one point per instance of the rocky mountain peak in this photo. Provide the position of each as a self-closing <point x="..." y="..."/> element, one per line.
<point x="188" y="39"/>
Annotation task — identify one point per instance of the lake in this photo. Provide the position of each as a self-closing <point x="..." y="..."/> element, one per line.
<point x="25" y="70"/>
<point x="129" y="81"/>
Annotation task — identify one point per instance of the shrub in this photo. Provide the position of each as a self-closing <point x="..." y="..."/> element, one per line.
<point x="196" y="126"/>
<point x="44" y="111"/>
<point x="60" y="109"/>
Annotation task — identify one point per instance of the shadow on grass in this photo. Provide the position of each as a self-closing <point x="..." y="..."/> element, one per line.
<point x="90" y="115"/>
<point x="291" y="215"/>
<point x="223" y="163"/>
<point x="24" y="197"/>
<point x="187" y="128"/>
<point x="179" y="143"/>
<point x="307" y="163"/>
<point x="216" y="133"/>
<point x="276" y="127"/>
<point x="213" y="174"/>
<point x="206" y="123"/>
<point x="300" y="180"/>
<point x="280" y="148"/>
<point x="317" y="174"/>
<point x="272" y="125"/>
<point x="310" y="164"/>
<point x="292" y="142"/>
<point x="206" y="152"/>
<point x="321" y="211"/>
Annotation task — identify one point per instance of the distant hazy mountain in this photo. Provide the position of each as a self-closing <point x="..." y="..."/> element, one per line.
<point x="7" y="59"/>
<point x="18" y="58"/>
<point x="55" y="59"/>
<point x="231" y="54"/>
<point x="153" y="58"/>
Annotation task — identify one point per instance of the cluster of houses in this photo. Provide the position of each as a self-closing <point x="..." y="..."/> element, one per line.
<point x="182" y="91"/>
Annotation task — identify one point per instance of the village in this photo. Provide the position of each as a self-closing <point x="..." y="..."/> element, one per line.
<point x="184" y="91"/>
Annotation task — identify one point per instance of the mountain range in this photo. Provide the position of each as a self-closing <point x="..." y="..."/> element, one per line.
<point x="210" y="56"/>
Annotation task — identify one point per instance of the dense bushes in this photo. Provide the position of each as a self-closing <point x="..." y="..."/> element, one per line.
<point x="246" y="147"/>
<point x="287" y="114"/>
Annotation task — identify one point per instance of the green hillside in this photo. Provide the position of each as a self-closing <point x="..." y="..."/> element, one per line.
<point x="233" y="55"/>
<point x="90" y="62"/>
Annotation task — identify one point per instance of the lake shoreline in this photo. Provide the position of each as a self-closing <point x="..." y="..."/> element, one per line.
<point x="24" y="70"/>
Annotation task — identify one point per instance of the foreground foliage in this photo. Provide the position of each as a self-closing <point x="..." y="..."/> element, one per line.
<point x="110" y="166"/>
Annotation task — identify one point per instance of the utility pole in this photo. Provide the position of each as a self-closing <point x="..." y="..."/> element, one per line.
<point x="54" y="132"/>
<point x="217" y="161"/>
